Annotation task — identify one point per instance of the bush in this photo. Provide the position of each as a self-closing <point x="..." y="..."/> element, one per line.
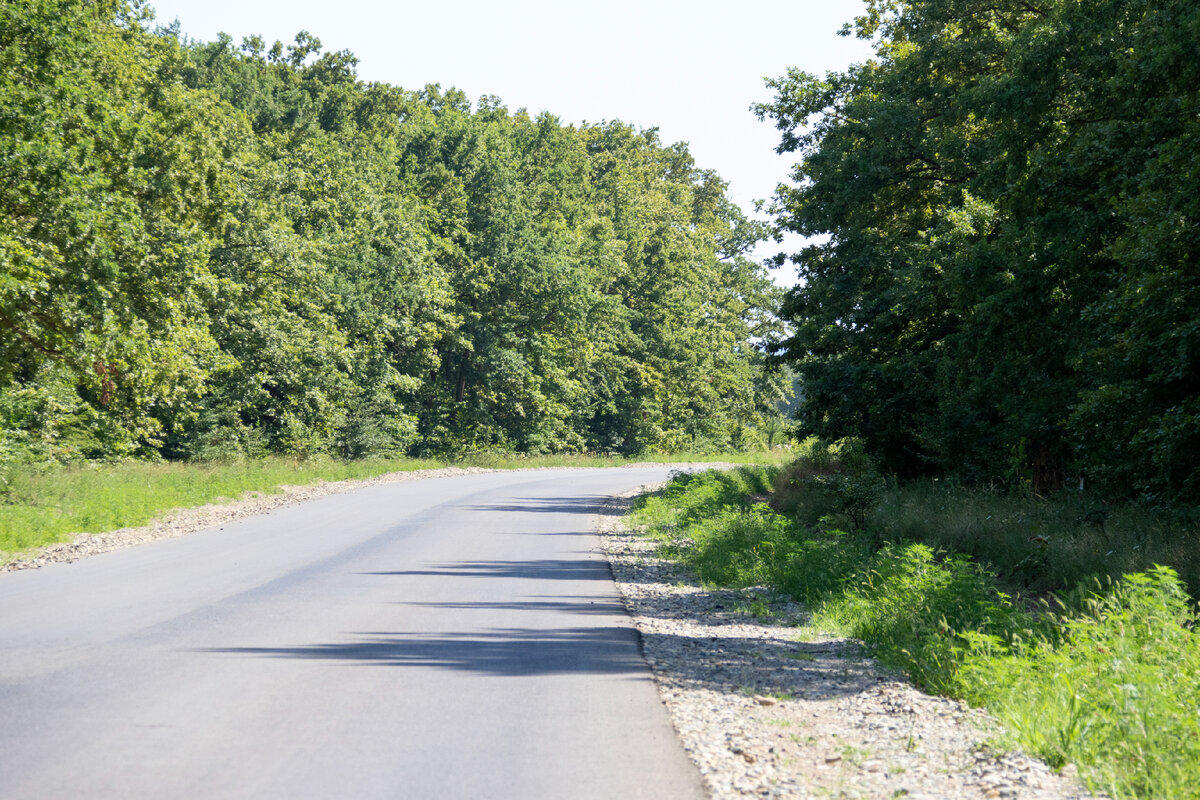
<point x="831" y="480"/>
<point x="910" y="604"/>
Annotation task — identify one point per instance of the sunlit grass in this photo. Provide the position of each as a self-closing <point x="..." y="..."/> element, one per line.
<point x="1109" y="679"/>
<point x="49" y="505"/>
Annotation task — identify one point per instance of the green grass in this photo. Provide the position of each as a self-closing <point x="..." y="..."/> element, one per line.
<point x="1042" y="545"/>
<point x="1107" y="679"/>
<point x="42" y="506"/>
<point x="1115" y="689"/>
<point x="49" y="505"/>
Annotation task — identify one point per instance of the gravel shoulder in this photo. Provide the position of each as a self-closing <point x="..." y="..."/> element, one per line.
<point x="768" y="708"/>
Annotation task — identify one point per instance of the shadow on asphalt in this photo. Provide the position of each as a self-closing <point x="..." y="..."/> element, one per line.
<point x="576" y="604"/>
<point x="563" y="569"/>
<point x="808" y="669"/>
<point x="504" y="652"/>
<point x="714" y="662"/>
<point x="588" y="504"/>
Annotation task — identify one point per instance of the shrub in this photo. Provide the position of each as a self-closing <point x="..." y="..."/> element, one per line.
<point x="831" y="480"/>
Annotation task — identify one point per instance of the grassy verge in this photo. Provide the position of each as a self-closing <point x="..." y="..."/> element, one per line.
<point x="1108" y="678"/>
<point x="1041" y="545"/>
<point x="47" y="505"/>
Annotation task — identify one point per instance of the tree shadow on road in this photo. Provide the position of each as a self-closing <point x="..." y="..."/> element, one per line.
<point x="570" y="604"/>
<point x="505" y="652"/>
<point x="596" y="504"/>
<point x="714" y="663"/>
<point x="701" y="654"/>
<point x="558" y="569"/>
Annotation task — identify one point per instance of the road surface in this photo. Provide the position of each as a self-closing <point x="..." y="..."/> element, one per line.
<point x="446" y="638"/>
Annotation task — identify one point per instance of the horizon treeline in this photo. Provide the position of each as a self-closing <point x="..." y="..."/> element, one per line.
<point x="1006" y="291"/>
<point x="213" y="250"/>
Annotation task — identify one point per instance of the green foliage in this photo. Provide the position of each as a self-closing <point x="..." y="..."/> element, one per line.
<point x="1005" y="289"/>
<point x="214" y="251"/>
<point x="1040" y="545"/>
<point x="830" y="480"/>
<point x="1115" y="690"/>
<point x="911" y="604"/>
<point x="1108" y="683"/>
<point x="112" y="191"/>
<point x="697" y="495"/>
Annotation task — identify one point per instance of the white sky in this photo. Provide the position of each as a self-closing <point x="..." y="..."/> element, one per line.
<point x="692" y="69"/>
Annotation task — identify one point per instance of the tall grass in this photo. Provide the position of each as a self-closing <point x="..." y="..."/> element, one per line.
<point x="40" y="506"/>
<point x="1109" y="679"/>
<point x="1115" y="688"/>
<point x="1041" y="545"/>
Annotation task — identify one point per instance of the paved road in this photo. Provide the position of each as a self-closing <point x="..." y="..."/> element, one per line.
<point x="447" y="638"/>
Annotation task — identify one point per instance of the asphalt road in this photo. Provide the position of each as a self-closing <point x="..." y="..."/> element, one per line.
<point x="447" y="638"/>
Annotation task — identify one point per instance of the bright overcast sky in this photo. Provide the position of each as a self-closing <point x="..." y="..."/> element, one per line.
<point x="691" y="69"/>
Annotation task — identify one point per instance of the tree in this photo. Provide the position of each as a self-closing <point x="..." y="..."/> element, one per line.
<point x="216" y="251"/>
<point x="1005" y="235"/>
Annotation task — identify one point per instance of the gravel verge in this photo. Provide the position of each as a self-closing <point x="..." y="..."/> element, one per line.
<point x="769" y="709"/>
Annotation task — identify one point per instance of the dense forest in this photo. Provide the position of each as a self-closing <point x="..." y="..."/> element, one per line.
<point x="1003" y="288"/>
<point x="214" y="249"/>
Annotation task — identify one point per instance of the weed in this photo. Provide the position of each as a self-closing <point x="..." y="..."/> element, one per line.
<point x="1039" y="546"/>
<point x="755" y="608"/>
<point x="1108" y="680"/>
<point x="829" y="481"/>
<point x="1116" y="691"/>
<point x="853" y="755"/>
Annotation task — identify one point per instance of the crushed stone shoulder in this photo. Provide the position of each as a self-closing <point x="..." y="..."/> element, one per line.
<point x="770" y="710"/>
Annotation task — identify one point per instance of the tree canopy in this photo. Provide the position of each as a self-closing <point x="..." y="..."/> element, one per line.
<point x="211" y="249"/>
<point x="1004" y="284"/>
